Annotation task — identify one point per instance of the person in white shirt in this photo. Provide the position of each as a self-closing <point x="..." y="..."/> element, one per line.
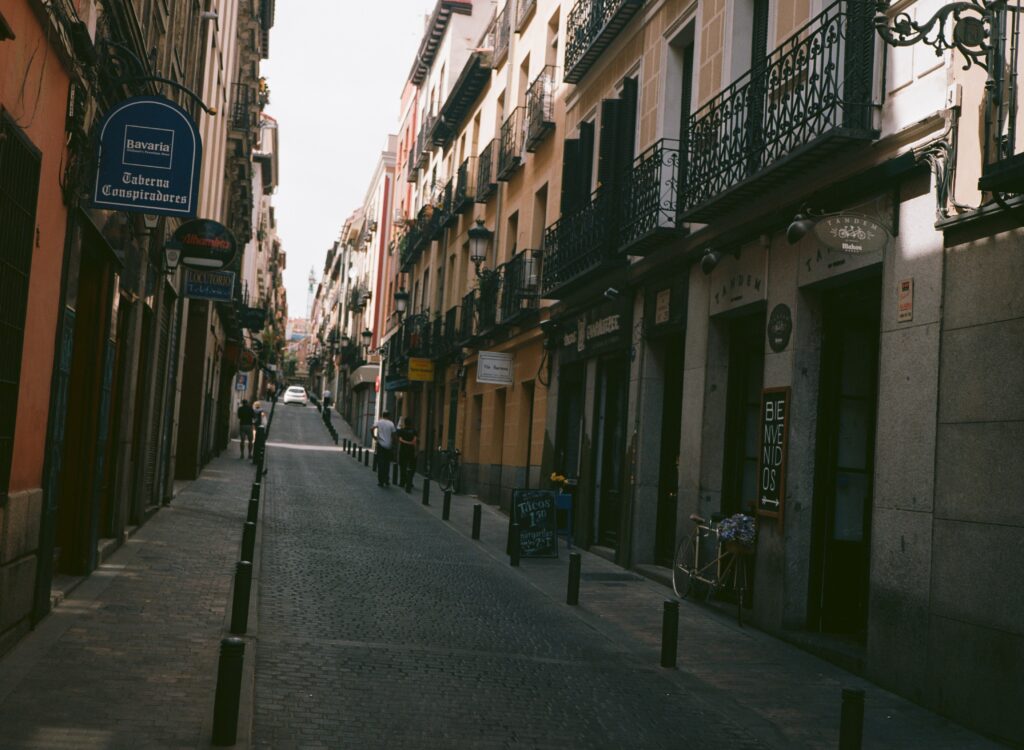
<point x="384" y="433"/>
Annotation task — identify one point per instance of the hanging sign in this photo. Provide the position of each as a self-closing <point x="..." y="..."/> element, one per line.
<point x="217" y="286"/>
<point x="771" y="465"/>
<point x="421" y="370"/>
<point x="851" y="233"/>
<point x="246" y="361"/>
<point x="149" y="156"/>
<point x="253" y="318"/>
<point x="204" y="244"/>
<point x="494" y="368"/>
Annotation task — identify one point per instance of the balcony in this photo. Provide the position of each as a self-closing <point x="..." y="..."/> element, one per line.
<point x="811" y="99"/>
<point x="412" y="173"/>
<point x="446" y="204"/>
<point x="466" y="319"/>
<point x="242" y="105"/>
<point x="423" y="143"/>
<point x="1003" y="165"/>
<point x="648" y="200"/>
<point x="524" y="11"/>
<point x="486" y="185"/>
<point x="540" y="108"/>
<point x="580" y="244"/>
<point x="488" y="311"/>
<point x="592" y="25"/>
<point x="502" y="33"/>
<point x="510" y="155"/>
<point x="465" y="186"/>
<point x="451" y="329"/>
<point x="520" y="286"/>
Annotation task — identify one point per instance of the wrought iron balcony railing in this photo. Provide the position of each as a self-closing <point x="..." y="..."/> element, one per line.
<point x="412" y="171"/>
<point x="591" y="26"/>
<point x="451" y="328"/>
<point x="579" y="243"/>
<point x="524" y="9"/>
<point x="242" y="103"/>
<point x="811" y="97"/>
<point x="423" y="143"/>
<point x="520" y="285"/>
<point x="465" y="186"/>
<point x="1003" y="139"/>
<point x="513" y="132"/>
<point x="488" y="295"/>
<point x="540" y="108"/>
<point x="648" y="199"/>
<point x="502" y="33"/>
<point x="467" y="318"/>
<point x="447" y="205"/>
<point x="486" y="184"/>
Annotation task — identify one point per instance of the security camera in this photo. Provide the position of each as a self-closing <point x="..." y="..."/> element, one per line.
<point x="709" y="261"/>
<point x="612" y="293"/>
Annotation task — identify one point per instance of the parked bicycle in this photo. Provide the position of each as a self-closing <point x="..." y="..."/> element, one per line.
<point x="706" y="565"/>
<point x="448" y="478"/>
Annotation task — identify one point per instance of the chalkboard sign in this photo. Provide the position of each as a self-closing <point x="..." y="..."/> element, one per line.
<point x="534" y="511"/>
<point x="771" y="465"/>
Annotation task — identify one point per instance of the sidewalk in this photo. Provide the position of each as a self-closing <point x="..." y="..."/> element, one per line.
<point x="129" y="658"/>
<point x="769" y="686"/>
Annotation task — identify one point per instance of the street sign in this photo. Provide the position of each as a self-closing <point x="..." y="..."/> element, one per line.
<point x="771" y="467"/>
<point x="149" y="157"/>
<point x="205" y="244"/>
<point x="217" y="286"/>
<point x="495" y="368"/>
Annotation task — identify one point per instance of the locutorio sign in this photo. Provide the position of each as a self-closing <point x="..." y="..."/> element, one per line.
<point x="149" y="158"/>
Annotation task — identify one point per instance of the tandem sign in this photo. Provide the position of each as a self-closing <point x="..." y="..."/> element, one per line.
<point x="149" y="157"/>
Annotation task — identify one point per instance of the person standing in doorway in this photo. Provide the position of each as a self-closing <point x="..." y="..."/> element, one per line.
<point x="407" y="443"/>
<point x="384" y="434"/>
<point x="246" y="418"/>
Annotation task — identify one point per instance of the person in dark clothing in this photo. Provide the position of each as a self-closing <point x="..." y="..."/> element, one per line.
<point x="384" y="434"/>
<point x="246" y="420"/>
<point x="407" y="443"/>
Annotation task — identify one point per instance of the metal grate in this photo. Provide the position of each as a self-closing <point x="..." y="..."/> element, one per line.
<point x="19" y="190"/>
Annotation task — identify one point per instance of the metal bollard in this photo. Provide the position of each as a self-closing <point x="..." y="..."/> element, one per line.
<point x="851" y="719"/>
<point x="254" y="511"/>
<point x="426" y="491"/>
<point x="513" y="559"/>
<point x="476" y="521"/>
<point x="344" y="443"/>
<point x="254" y="494"/>
<point x="229" y="689"/>
<point x="366" y="458"/>
<point x="240" y="601"/>
<point x="669" y="634"/>
<point x="572" y="594"/>
<point x="446" y="508"/>
<point x="248" y="541"/>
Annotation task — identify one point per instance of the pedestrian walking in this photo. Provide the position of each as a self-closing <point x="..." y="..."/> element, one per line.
<point x="384" y="435"/>
<point x="246" y="418"/>
<point x="408" y="439"/>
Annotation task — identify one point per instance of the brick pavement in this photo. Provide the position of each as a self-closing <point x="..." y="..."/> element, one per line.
<point x="128" y="659"/>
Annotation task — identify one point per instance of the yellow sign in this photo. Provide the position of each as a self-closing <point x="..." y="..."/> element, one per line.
<point x="421" y="370"/>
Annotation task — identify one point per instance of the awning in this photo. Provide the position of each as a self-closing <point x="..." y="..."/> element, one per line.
<point x="363" y="375"/>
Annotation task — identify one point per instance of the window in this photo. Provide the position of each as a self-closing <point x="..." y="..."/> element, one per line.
<point x="19" y="188"/>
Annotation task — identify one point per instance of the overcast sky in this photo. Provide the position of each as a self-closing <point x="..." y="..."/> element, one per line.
<point x="336" y="72"/>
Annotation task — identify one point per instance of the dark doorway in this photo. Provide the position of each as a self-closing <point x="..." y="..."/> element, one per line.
<point x="845" y="459"/>
<point x="570" y="420"/>
<point x="610" y="429"/>
<point x="743" y="403"/>
<point x="668" y="471"/>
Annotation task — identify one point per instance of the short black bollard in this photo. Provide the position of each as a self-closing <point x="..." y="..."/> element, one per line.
<point x="248" y="541"/>
<point x="344" y="443"/>
<point x="572" y="594"/>
<point x="669" y="634"/>
<point x="426" y="491"/>
<point x="229" y="689"/>
<point x="476" y="521"/>
<point x="254" y="510"/>
<point x="240" y="601"/>
<point x="851" y="719"/>
<point x="366" y="458"/>
<point x="446" y="508"/>
<point x="394" y="473"/>
<point x="513" y="558"/>
<point x="254" y="494"/>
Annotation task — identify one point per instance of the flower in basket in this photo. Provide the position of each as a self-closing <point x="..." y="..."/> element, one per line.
<point x="740" y="529"/>
<point x="560" y="480"/>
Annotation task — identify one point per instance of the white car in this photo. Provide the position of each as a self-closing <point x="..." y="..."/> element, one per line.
<point x="296" y="394"/>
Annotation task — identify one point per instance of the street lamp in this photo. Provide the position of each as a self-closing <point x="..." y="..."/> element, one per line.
<point x="367" y="336"/>
<point x="479" y="239"/>
<point x="172" y="257"/>
<point x="345" y="341"/>
<point x="401" y="301"/>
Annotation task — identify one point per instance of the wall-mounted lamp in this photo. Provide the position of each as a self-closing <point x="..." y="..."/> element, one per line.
<point x="802" y="224"/>
<point x="345" y="341"/>
<point x="401" y="301"/>
<point x="710" y="261"/>
<point x="172" y="257"/>
<point x="367" y="336"/>
<point x="479" y="240"/>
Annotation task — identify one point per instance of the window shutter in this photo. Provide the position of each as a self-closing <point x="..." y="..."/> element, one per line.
<point x="585" y="174"/>
<point x="570" y="173"/>
<point x="607" y="156"/>
<point x="627" y="126"/>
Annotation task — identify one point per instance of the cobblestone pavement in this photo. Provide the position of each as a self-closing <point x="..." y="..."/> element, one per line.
<point x="129" y="659"/>
<point x="380" y="625"/>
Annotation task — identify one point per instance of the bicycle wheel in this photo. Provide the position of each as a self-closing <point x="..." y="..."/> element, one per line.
<point x="682" y="568"/>
<point x="445" y="480"/>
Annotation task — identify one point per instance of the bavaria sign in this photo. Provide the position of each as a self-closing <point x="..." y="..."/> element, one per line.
<point x="205" y="244"/>
<point x="149" y="156"/>
<point x="850" y="233"/>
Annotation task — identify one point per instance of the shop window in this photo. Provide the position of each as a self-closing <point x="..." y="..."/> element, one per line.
<point x="19" y="189"/>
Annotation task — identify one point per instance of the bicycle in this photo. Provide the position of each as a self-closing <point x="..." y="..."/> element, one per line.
<point x="448" y="477"/>
<point x="705" y="565"/>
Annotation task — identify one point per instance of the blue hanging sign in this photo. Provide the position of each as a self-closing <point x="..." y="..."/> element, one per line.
<point x="218" y="286"/>
<point x="149" y="158"/>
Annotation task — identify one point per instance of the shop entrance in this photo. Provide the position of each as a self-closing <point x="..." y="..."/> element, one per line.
<point x="610" y="429"/>
<point x="845" y="459"/>
<point x="743" y="404"/>
<point x="668" y="472"/>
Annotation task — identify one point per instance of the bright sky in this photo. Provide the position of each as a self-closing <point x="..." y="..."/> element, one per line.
<point x="335" y="72"/>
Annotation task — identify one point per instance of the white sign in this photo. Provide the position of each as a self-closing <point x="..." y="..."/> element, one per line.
<point x="905" y="301"/>
<point x="242" y="381"/>
<point x="494" y="368"/>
